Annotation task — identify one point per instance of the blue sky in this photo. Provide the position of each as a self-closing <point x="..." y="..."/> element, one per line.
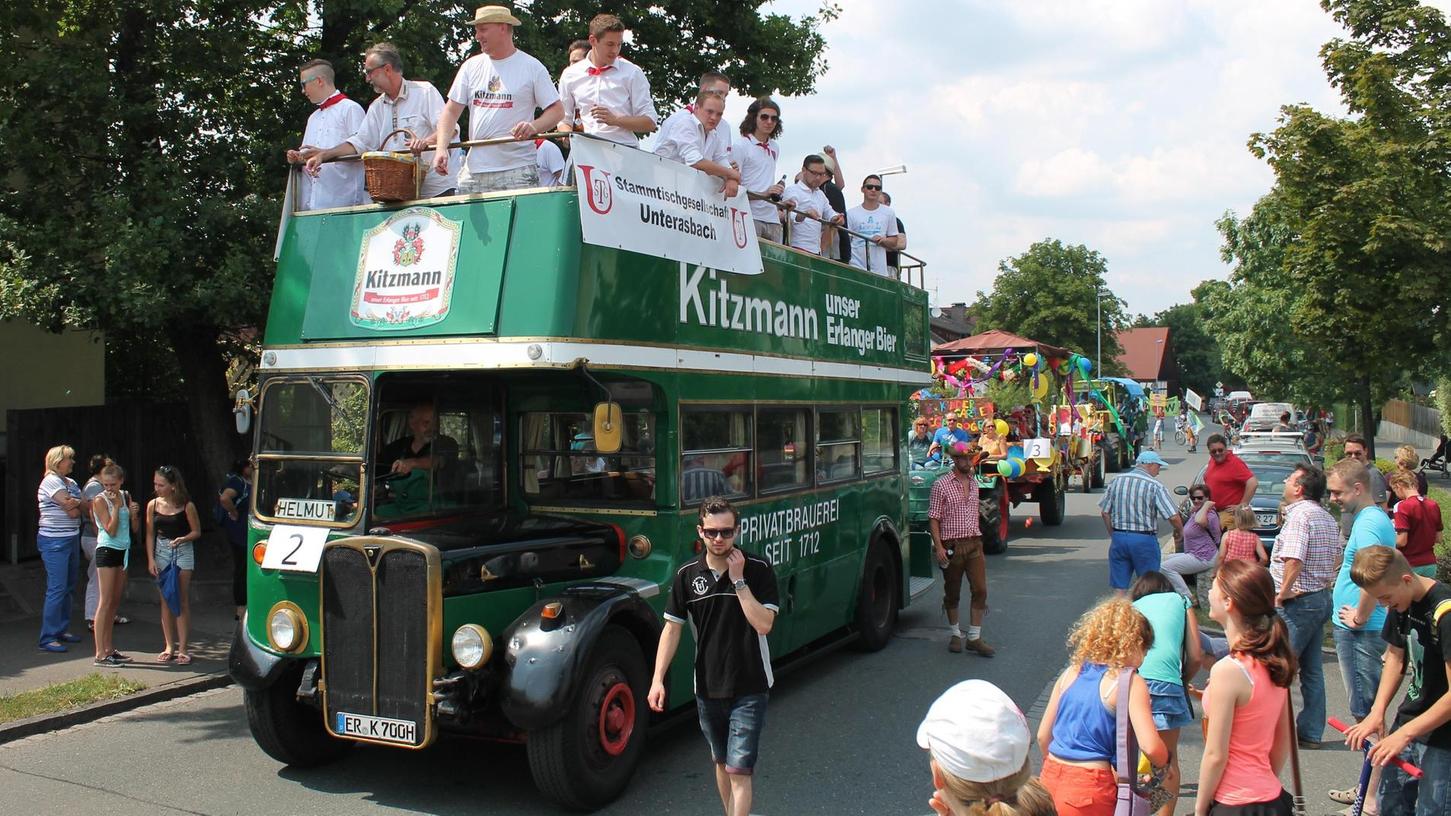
<point x="1119" y="124"/>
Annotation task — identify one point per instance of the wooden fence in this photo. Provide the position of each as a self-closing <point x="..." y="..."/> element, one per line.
<point x="140" y="436"/>
<point x="1416" y="417"/>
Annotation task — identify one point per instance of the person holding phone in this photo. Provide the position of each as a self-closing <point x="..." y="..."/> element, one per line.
<point x="730" y="598"/>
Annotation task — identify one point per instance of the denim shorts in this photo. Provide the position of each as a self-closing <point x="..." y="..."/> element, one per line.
<point x="733" y="729"/>
<point x="185" y="554"/>
<point x="1170" y="706"/>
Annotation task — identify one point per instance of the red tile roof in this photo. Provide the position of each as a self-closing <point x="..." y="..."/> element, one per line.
<point x="1144" y="351"/>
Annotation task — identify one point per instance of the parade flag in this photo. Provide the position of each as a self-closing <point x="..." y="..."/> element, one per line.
<point x="1194" y="400"/>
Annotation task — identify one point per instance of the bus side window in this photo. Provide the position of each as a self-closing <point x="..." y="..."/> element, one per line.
<point x="783" y="448"/>
<point x="716" y="458"/>
<point x="879" y="440"/>
<point x="838" y="444"/>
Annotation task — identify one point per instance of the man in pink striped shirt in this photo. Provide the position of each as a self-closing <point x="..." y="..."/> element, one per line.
<point x="957" y="543"/>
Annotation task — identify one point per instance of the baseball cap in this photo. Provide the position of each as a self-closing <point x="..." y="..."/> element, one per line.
<point x="1150" y="458"/>
<point x="975" y="732"/>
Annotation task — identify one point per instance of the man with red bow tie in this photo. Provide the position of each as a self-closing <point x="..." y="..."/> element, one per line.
<point x="336" y="117"/>
<point x="609" y="93"/>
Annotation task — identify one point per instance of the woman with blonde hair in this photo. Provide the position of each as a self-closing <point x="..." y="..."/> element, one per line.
<point x="58" y="538"/>
<point x="1408" y="460"/>
<point x="1247" y="701"/>
<point x="1079" y="730"/>
<point x="172" y="527"/>
<point x="978" y="742"/>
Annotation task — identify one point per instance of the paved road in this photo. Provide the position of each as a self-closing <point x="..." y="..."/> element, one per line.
<point x="839" y="737"/>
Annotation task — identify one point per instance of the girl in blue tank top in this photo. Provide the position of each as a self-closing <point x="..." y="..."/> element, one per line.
<point x="1078" y="732"/>
<point x="117" y="517"/>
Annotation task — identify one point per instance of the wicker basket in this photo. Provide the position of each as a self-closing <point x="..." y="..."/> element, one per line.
<point x="392" y="176"/>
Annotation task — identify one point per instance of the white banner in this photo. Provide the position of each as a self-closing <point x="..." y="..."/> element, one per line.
<point x="1195" y="401"/>
<point x="633" y="200"/>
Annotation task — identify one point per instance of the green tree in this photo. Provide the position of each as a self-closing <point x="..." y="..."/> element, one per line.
<point x="142" y="149"/>
<point x="1341" y="269"/>
<point x="1047" y="294"/>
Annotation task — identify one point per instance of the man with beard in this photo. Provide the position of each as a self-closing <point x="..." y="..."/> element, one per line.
<point x="957" y="544"/>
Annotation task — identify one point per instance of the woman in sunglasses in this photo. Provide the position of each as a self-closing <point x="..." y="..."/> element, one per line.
<point x="1201" y="543"/>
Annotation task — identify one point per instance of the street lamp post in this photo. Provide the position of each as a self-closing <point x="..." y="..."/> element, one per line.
<point x="1098" y="309"/>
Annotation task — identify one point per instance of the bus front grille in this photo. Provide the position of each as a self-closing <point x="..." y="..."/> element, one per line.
<point x="379" y="604"/>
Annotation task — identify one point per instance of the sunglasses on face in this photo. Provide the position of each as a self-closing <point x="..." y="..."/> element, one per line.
<point x="767" y="117"/>
<point x="714" y="532"/>
<point x="1216" y="451"/>
<point x="871" y="186"/>
<point x="1196" y="498"/>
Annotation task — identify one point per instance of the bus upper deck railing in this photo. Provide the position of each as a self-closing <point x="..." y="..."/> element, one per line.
<point x="912" y="274"/>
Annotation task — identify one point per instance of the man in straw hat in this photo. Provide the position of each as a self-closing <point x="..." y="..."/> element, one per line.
<point x="953" y="521"/>
<point x="406" y="104"/>
<point x="502" y="87"/>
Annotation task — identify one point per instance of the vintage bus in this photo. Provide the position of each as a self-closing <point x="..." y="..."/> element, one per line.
<point x="480" y="447"/>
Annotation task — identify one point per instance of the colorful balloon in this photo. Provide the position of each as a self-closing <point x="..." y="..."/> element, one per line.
<point x="1018" y="466"/>
<point x="1085" y="365"/>
<point x="1001" y="427"/>
<point x="1030" y="360"/>
<point x="1005" y="468"/>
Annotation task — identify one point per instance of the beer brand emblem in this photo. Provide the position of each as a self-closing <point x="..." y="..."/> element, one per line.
<point x="495" y="83"/>
<point x="700" y="585"/>
<point x="399" y="285"/>
<point x="409" y="249"/>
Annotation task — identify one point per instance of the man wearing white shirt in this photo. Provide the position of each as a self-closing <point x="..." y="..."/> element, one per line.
<point x="877" y="221"/>
<point x="501" y="87"/>
<point x="688" y="141"/>
<point x="412" y="105"/>
<point x="336" y="117"/>
<point x="550" y="161"/>
<point x="755" y="151"/>
<point x="806" y="199"/>
<point x="710" y="82"/>
<point x="606" y="93"/>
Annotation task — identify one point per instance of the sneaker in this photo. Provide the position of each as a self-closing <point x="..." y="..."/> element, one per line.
<point x="117" y="656"/>
<point x="1309" y="744"/>
<point x="955" y="644"/>
<point x="981" y="647"/>
<point x="109" y="661"/>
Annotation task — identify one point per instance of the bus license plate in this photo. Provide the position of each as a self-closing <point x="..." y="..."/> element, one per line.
<point x="378" y="728"/>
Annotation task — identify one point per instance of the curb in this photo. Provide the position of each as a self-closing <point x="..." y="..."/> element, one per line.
<point x="66" y="719"/>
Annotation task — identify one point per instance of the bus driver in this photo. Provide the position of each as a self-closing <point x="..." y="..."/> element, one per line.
<point x="417" y="450"/>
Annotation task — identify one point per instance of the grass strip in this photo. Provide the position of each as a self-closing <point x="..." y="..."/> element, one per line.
<point x="92" y="688"/>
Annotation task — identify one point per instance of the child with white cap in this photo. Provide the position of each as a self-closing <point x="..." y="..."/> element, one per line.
<point x="978" y="741"/>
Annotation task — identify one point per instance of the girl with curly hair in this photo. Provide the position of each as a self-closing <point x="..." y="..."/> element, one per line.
<point x="1079" y="731"/>
<point x="1247" y="701"/>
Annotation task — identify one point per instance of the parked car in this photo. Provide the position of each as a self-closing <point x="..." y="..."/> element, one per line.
<point x="1271" y="470"/>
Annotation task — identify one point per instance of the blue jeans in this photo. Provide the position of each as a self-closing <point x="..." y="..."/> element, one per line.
<point x="1306" y="617"/>
<point x="1130" y="555"/>
<point x="1400" y="795"/>
<point x="733" y="729"/>
<point x="1359" y="653"/>
<point x="61" y="556"/>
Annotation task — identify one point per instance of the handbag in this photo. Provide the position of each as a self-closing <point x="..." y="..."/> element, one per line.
<point x="1133" y="799"/>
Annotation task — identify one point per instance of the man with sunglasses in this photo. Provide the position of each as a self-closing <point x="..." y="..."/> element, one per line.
<point x="919" y="443"/>
<point x="877" y="221"/>
<point x="1355" y="448"/>
<point x="336" y="117"/>
<point x="756" y="151"/>
<point x="407" y="104"/>
<point x="809" y="203"/>
<point x="731" y="600"/>
<point x="1230" y="480"/>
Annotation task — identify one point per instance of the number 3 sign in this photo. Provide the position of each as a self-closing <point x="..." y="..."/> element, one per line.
<point x="292" y="548"/>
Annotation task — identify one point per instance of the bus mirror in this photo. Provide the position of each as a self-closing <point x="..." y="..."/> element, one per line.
<point x="242" y="411"/>
<point x="608" y="427"/>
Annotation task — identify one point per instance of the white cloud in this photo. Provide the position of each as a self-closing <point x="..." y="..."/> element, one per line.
<point x="1120" y="124"/>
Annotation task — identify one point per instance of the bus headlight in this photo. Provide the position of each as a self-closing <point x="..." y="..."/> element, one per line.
<point x="472" y="646"/>
<point x="286" y="627"/>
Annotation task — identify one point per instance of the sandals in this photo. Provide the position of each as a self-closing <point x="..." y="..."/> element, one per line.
<point x="165" y="657"/>
<point x="1344" y="797"/>
<point x="53" y="646"/>
<point x="183" y="659"/>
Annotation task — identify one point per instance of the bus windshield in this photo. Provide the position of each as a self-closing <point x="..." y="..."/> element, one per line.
<point x="310" y="449"/>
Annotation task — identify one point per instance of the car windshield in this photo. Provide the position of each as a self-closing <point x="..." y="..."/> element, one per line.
<point x="1289" y="459"/>
<point x="1272" y="480"/>
<point x="310" y="449"/>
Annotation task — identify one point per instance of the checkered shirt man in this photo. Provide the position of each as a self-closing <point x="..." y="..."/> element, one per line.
<point x="1135" y="501"/>
<point x="954" y="507"/>
<point x="1311" y="536"/>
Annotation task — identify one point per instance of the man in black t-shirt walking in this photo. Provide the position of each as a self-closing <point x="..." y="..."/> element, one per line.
<point x="1417" y="633"/>
<point x="730" y="598"/>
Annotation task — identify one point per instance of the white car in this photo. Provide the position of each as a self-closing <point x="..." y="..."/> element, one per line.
<point x="1271" y="411"/>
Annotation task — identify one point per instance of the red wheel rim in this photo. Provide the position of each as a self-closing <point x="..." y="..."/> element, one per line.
<point x="617" y="719"/>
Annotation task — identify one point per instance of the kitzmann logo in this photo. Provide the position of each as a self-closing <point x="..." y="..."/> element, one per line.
<point x="596" y="184"/>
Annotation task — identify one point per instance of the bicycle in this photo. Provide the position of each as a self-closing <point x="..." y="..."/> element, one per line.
<point x="1181" y="438"/>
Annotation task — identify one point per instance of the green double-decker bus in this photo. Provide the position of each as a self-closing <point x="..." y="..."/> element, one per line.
<point x="480" y="448"/>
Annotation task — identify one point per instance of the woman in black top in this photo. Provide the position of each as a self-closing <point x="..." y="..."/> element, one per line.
<point x="172" y="527"/>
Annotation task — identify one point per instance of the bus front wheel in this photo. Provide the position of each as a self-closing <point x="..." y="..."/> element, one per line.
<point x="585" y="759"/>
<point x="287" y="730"/>
<point x="876" y="607"/>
